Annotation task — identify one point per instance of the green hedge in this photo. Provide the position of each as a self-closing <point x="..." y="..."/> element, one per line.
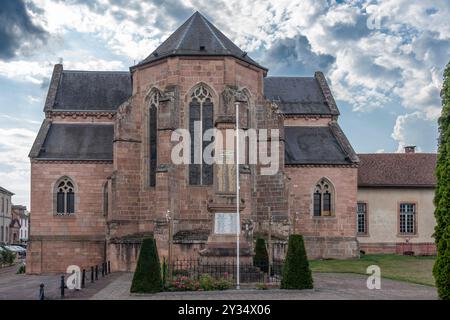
<point x="261" y="258"/>
<point x="7" y="257"/>
<point x="147" y="277"/>
<point x="296" y="271"/>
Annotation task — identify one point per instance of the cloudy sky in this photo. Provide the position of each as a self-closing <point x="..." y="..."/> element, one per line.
<point x="383" y="59"/>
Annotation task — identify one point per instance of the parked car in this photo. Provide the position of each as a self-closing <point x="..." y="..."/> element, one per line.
<point x="21" y="252"/>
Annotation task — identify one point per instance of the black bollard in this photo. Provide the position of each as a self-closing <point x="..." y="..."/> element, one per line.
<point x="83" y="278"/>
<point x="41" y="292"/>
<point x="63" y="285"/>
<point x="92" y="274"/>
<point x="96" y="272"/>
<point x="103" y="269"/>
<point x="109" y="266"/>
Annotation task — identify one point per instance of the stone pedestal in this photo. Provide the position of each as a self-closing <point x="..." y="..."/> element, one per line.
<point x="223" y="249"/>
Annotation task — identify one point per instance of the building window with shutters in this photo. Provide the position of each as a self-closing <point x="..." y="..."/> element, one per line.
<point x="407" y="219"/>
<point x="323" y="198"/>
<point x="362" y="218"/>
<point x="65" y="196"/>
<point x="201" y="112"/>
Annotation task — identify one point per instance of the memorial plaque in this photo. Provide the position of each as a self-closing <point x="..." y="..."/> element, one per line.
<point x="225" y="223"/>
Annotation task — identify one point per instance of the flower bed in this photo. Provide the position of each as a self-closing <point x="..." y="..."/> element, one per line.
<point x="204" y="283"/>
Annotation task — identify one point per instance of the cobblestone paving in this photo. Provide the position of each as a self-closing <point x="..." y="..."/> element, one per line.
<point x="26" y="287"/>
<point x="327" y="286"/>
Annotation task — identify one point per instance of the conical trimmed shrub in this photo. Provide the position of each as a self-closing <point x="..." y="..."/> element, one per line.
<point x="147" y="276"/>
<point x="261" y="258"/>
<point x="296" y="271"/>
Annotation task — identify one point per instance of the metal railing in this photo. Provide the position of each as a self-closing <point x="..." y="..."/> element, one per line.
<point x="249" y="272"/>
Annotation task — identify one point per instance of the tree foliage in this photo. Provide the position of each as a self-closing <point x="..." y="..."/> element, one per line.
<point x="441" y="270"/>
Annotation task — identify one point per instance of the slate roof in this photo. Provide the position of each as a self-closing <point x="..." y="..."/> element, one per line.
<point x="3" y="190"/>
<point x="91" y="90"/>
<point x="318" y="146"/>
<point x="198" y="37"/>
<point x="298" y="96"/>
<point x="397" y="170"/>
<point x="76" y="142"/>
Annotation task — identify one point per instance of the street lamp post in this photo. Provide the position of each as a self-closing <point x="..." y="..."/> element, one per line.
<point x="237" y="199"/>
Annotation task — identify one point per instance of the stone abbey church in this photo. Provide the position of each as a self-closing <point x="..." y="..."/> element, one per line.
<point x="102" y="176"/>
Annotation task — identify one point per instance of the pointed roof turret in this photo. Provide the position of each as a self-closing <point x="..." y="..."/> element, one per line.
<point x="198" y="37"/>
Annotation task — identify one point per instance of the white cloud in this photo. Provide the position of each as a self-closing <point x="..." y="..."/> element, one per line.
<point x="14" y="164"/>
<point x="124" y="37"/>
<point x="22" y="70"/>
<point x="35" y="71"/>
<point x="415" y="129"/>
<point x="20" y="120"/>
<point x="372" y="67"/>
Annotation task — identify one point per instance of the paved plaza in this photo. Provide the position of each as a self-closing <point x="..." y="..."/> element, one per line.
<point x="116" y="286"/>
<point x="328" y="286"/>
<point x="26" y="287"/>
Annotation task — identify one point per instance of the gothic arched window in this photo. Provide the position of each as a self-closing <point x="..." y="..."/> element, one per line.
<point x="65" y="196"/>
<point x="323" y="198"/>
<point x="201" y="116"/>
<point x="153" y="136"/>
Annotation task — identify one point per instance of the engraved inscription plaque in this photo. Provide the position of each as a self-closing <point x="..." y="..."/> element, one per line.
<point x="225" y="223"/>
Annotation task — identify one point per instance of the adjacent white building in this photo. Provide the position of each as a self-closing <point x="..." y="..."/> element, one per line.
<point x="5" y="215"/>
<point x="24" y="218"/>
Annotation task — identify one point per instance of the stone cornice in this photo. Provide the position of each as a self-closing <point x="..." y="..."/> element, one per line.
<point x="72" y="161"/>
<point x="311" y="165"/>
<point x="74" y="114"/>
<point x="307" y="116"/>
<point x="76" y="238"/>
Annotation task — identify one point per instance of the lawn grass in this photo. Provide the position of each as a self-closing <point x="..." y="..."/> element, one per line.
<point x="396" y="267"/>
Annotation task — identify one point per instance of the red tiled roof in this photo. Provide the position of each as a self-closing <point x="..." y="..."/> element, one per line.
<point x="397" y="170"/>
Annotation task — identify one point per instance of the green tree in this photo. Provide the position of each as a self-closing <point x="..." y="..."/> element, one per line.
<point x="296" y="271"/>
<point x="261" y="258"/>
<point x="441" y="270"/>
<point x="147" y="276"/>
